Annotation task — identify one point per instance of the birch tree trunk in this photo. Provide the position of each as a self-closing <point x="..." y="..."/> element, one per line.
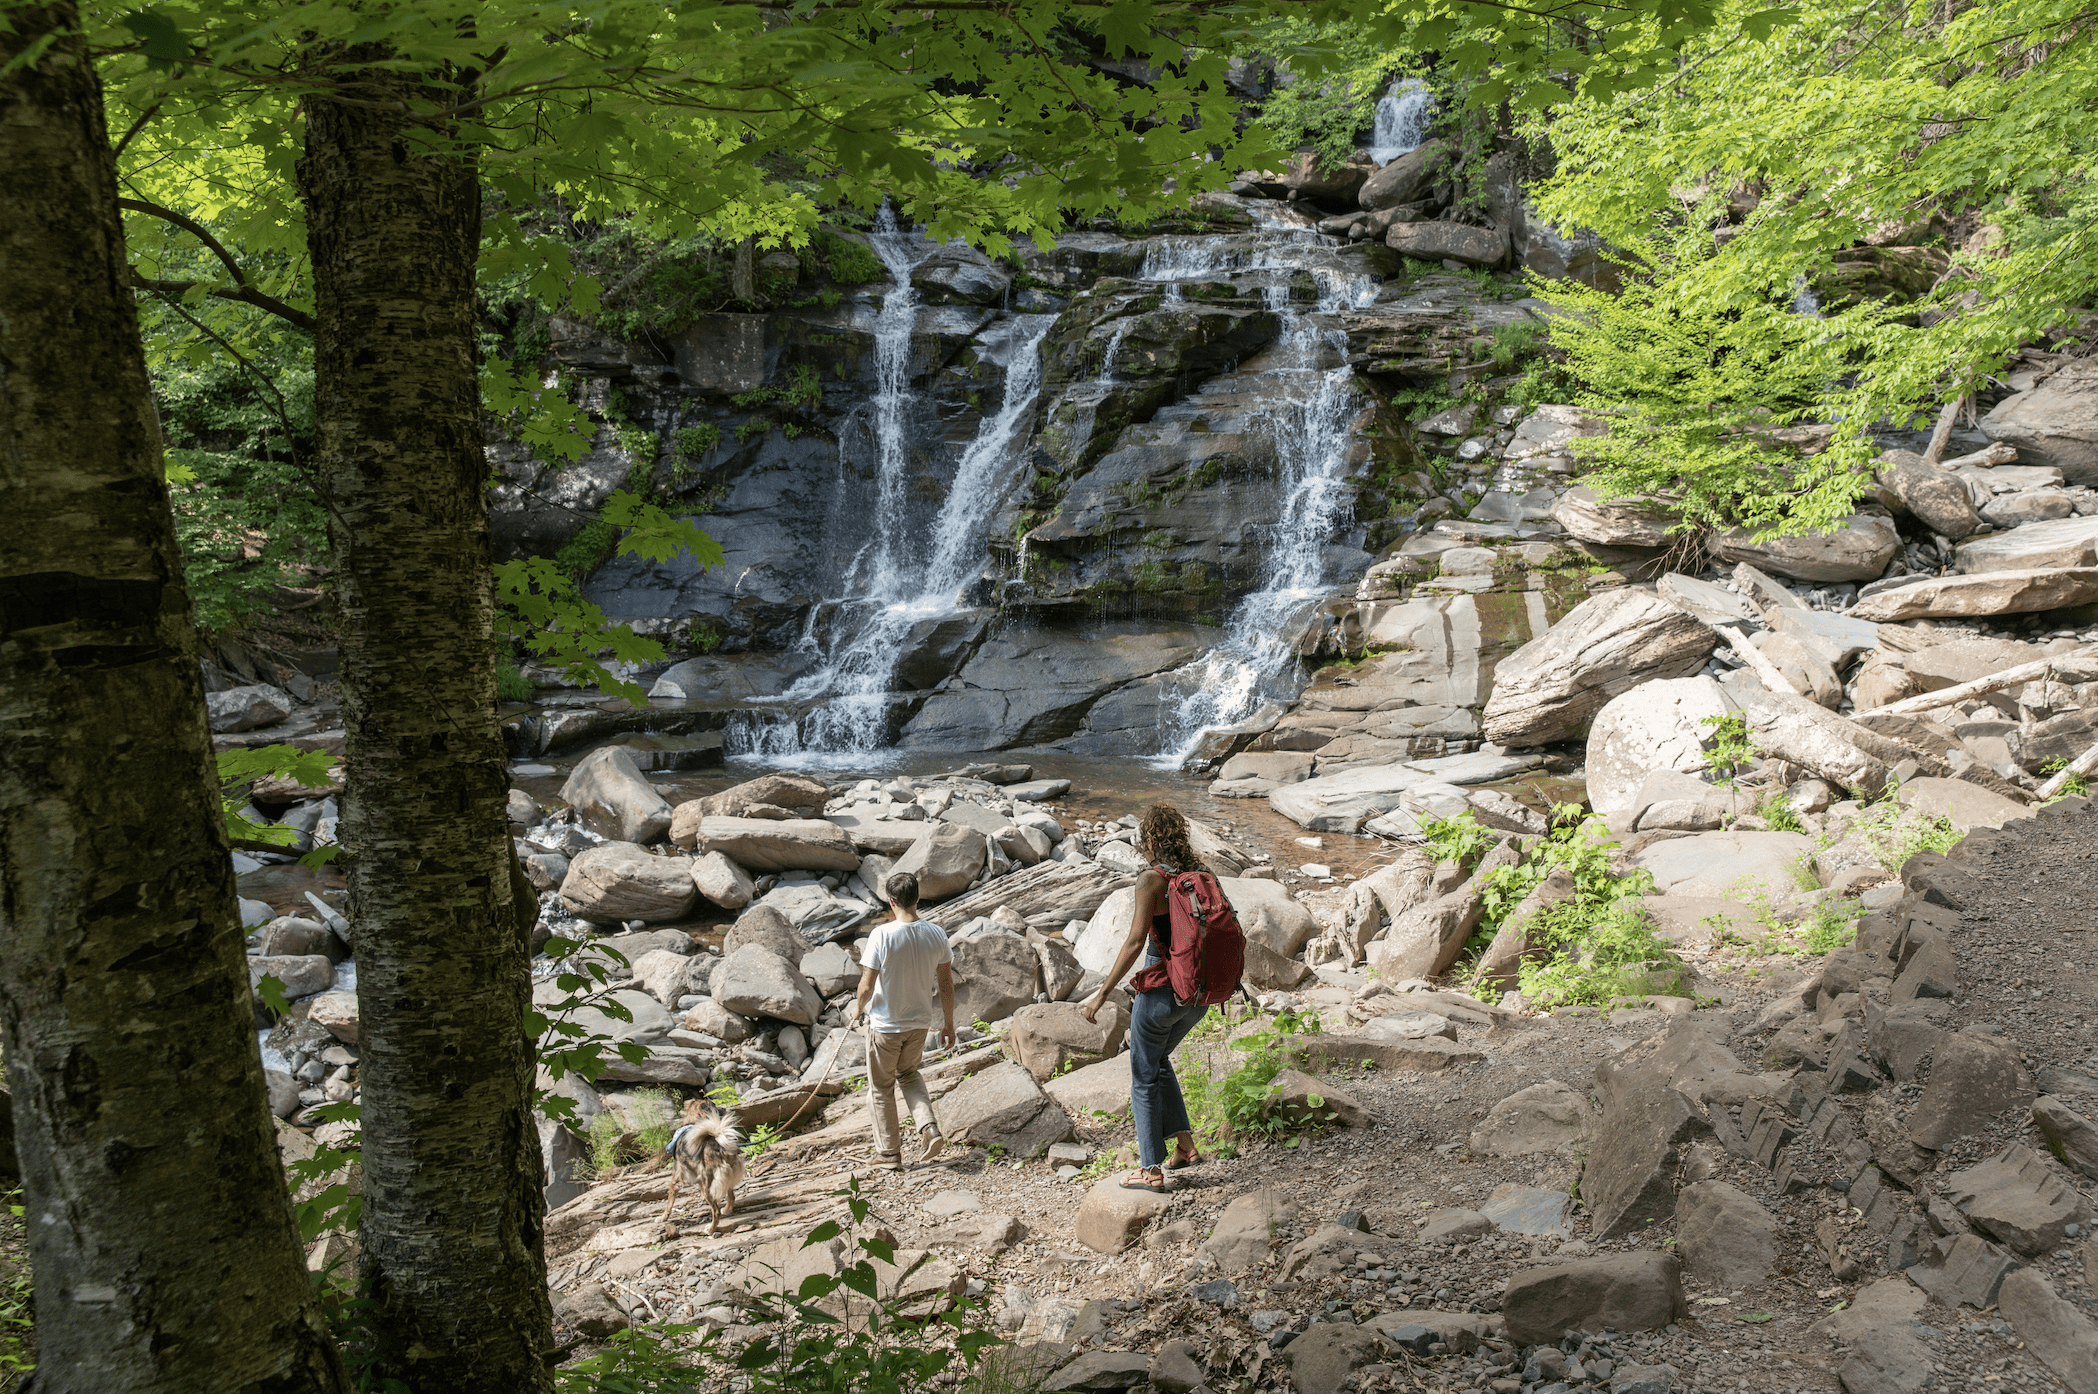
<point x="160" y="1227"/>
<point x="452" y="1236"/>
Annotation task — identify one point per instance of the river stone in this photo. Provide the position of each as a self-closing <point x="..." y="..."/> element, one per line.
<point x="293" y="935"/>
<point x="1725" y="1239"/>
<point x="1426" y="940"/>
<point x="649" y="1023"/>
<point x="1436" y="241"/>
<point x="246" y="708"/>
<point x="1409" y="176"/>
<point x="813" y="911"/>
<point x="1973" y="1077"/>
<point x="763" y="924"/>
<point x="2024" y="509"/>
<point x="1963" y="804"/>
<point x="1857" y="551"/>
<point x="1625" y="522"/>
<point x="945" y="860"/>
<point x="1245" y="1233"/>
<point x="710" y="1018"/>
<point x="1820" y="742"/>
<point x="1453" y="1226"/>
<point x="755" y="981"/>
<point x="335" y="1013"/>
<point x="2015" y="1198"/>
<point x="2045" y="546"/>
<point x="1618" y="1292"/>
<point x="798" y="794"/>
<point x="1049" y="1037"/>
<point x="522" y="810"/>
<point x="777" y="844"/>
<point x="1727" y="865"/>
<point x="1003" y="1107"/>
<point x="959" y="274"/>
<point x="1935" y="497"/>
<point x="1542" y="1118"/>
<point x="994" y="976"/>
<point x="615" y="882"/>
<point x="1964" y="659"/>
<point x="668" y="976"/>
<point x="890" y="837"/>
<point x="614" y="799"/>
<point x="1714" y="604"/>
<point x="722" y="881"/>
<point x="832" y="968"/>
<point x="1991" y="593"/>
<point x="1275" y="766"/>
<point x="2054" y="424"/>
<point x="1266" y="912"/>
<point x="1655" y="726"/>
<point x="1120" y="856"/>
<point x="1551" y="688"/>
<point x="1343" y="802"/>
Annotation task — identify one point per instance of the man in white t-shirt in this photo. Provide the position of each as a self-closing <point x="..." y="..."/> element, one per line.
<point x="901" y="963"/>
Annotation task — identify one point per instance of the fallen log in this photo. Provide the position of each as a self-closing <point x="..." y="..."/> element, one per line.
<point x="2081" y="765"/>
<point x="1765" y="670"/>
<point x="1994" y="682"/>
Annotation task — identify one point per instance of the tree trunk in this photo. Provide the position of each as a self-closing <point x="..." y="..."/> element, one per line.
<point x="160" y="1226"/>
<point x="452" y="1237"/>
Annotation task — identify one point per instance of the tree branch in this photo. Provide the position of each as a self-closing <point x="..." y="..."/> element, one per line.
<point x="245" y="295"/>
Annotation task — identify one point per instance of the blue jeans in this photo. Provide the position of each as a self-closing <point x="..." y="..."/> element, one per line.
<point x="1156" y="1025"/>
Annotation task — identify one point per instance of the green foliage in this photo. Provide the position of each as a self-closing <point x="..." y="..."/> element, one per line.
<point x="1229" y="1110"/>
<point x="566" y="1045"/>
<point x="1514" y="342"/>
<point x="1332" y="104"/>
<point x="1728" y="749"/>
<point x="239" y="769"/>
<point x="833" y="1334"/>
<point x="1776" y="810"/>
<point x="803" y="390"/>
<point x="693" y="442"/>
<point x="2076" y="786"/>
<point x="1893" y="834"/>
<point x="1833" y="926"/>
<point x="652" y="1120"/>
<point x="1460" y="839"/>
<point x="849" y="263"/>
<point x="511" y="685"/>
<point x="17" y="1310"/>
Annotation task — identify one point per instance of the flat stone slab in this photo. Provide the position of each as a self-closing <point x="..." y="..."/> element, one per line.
<point x="1343" y="802"/>
<point x="1529" y="1210"/>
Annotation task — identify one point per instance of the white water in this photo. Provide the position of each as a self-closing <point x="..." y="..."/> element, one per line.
<point x="1804" y="301"/>
<point x="1402" y="120"/>
<point x="1309" y="423"/>
<point x="853" y="682"/>
<point x="892" y="378"/>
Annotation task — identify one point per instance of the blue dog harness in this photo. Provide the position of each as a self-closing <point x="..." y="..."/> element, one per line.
<point x="674" y="1137"/>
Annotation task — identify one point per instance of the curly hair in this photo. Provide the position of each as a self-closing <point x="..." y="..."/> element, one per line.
<point x="1164" y="832"/>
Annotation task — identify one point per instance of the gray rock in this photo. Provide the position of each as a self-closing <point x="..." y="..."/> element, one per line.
<point x="2069" y="1133"/>
<point x="1061" y="970"/>
<point x="649" y="1021"/>
<point x="2064" y="542"/>
<point x="722" y="881"/>
<point x="1517" y="1209"/>
<point x="1655" y="726"/>
<point x="1903" y="1037"/>
<point x="1647" y="1124"/>
<point x="1176" y="1368"/>
<point x="1619" y="1292"/>
<point x="777" y="844"/>
<point x="1343" y="802"/>
<point x="1992" y="593"/>
<point x="1245" y="1233"/>
<point x="1111" y="1217"/>
<point x="2055" y="1330"/>
<point x="1631" y="522"/>
<point x="615" y="882"/>
<point x="1048" y="1038"/>
<point x="959" y="274"/>
<point x="1936" y="497"/>
<point x="301" y="975"/>
<point x="1003" y="1107"/>
<point x="2023" y="509"/>
<point x="1324" y="1359"/>
<point x="668" y="976"/>
<point x="1886" y="1354"/>
<point x="755" y="981"/>
<point x="1100" y="1370"/>
<point x="1218" y="1292"/>
<point x="1408" y="177"/>
<point x="831" y="968"/>
<point x="614" y="799"/>
<point x="994" y="976"/>
<point x="1454" y="1226"/>
<point x="284" y="1102"/>
<point x="292" y="935"/>
<point x="1437" y="241"/>
<point x="522" y="810"/>
<point x="591" y="1312"/>
<point x="1542" y="1118"/>
<point x="1973" y="1078"/>
<point x="1551" y="688"/>
<point x="1727" y="865"/>
<point x="764" y="924"/>
<point x="945" y="860"/>
<point x="1857" y="551"/>
<point x="335" y="1013"/>
<point x="710" y="1018"/>
<point x="2055" y="423"/>
<point x="2017" y="1199"/>
<point x="1725" y="1239"/>
<point x="246" y="708"/>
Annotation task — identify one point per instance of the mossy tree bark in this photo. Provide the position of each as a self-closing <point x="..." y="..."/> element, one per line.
<point x="452" y="1236"/>
<point x="160" y="1227"/>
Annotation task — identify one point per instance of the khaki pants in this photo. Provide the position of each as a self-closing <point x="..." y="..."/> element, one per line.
<point x="892" y="1065"/>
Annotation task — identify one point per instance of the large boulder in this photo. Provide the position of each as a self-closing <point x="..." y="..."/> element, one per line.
<point x="1343" y="802"/>
<point x="1857" y="551"/>
<point x="1937" y="498"/>
<point x="1974" y="1077"/>
<point x="1473" y="246"/>
<point x="1823" y="744"/>
<point x="994" y="976"/>
<point x="335" y="1013"/>
<point x="1104" y="932"/>
<point x="1426" y="940"/>
<point x="959" y="274"/>
<point x="764" y="924"/>
<point x="2045" y="546"/>
<point x="1405" y="179"/>
<point x="246" y="708"/>
<point x="1617" y="1292"/>
<point x="668" y="976"/>
<point x="794" y="793"/>
<point x="722" y="881"/>
<point x="1725" y="1239"/>
<point x="945" y="860"/>
<point x="755" y="981"/>
<point x="1551" y="688"/>
<point x="614" y="799"/>
<point x="1048" y="1038"/>
<point x="1112" y="1217"/>
<point x="1500" y="965"/>
<point x="1655" y="726"/>
<point x="776" y="844"/>
<point x="1963" y="660"/>
<point x="614" y="882"/>
<point x="2055" y="423"/>
<point x="1728" y="865"/>
<point x="1630" y="522"/>
<point x="1542" y="1118"/>
<point x="1268" y="914"/>
<point x="1640" y="1144"/>
<point x="1991" y="593"/>
<point x="1003" y="1107"/>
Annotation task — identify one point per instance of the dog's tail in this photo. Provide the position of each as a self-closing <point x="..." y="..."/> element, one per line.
<point x="720" y="1129"/>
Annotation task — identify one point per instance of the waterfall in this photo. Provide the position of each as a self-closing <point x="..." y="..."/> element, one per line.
<point x="1310" y="430"/>
<point x="892" y="378"/>
<point x="1402" y="120"/>
<point x="1804" y="301"/>
<point x="853" y="682"/>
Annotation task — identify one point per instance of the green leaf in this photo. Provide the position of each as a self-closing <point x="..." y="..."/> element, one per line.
<point x="162" y="40"/>
<point x="271" y="989"/>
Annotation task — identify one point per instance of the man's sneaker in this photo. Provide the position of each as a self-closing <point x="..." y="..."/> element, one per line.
<point x="889" y="1161"/>
<point x="934" y="1145"/>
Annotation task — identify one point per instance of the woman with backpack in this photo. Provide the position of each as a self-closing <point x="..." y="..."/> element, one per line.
<point x="1182" y="976"/>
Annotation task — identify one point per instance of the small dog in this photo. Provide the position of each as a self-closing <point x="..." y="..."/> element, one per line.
<point x="708" y="1151"/>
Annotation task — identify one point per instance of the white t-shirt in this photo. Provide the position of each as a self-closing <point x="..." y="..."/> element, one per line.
<point x="906" y="956"/>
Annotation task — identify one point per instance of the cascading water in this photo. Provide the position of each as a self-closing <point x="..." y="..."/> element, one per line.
<point x="854" y="681"/>
<point x="1310" y="429"/>
<point x="1402" y="120"/>
<point x="892" y="386"/>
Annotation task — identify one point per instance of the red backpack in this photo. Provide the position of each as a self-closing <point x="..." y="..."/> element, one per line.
<point x="1208" y="953"/>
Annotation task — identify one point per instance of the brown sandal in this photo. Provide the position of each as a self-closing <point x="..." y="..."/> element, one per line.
<point x="1137" y="1182"/>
